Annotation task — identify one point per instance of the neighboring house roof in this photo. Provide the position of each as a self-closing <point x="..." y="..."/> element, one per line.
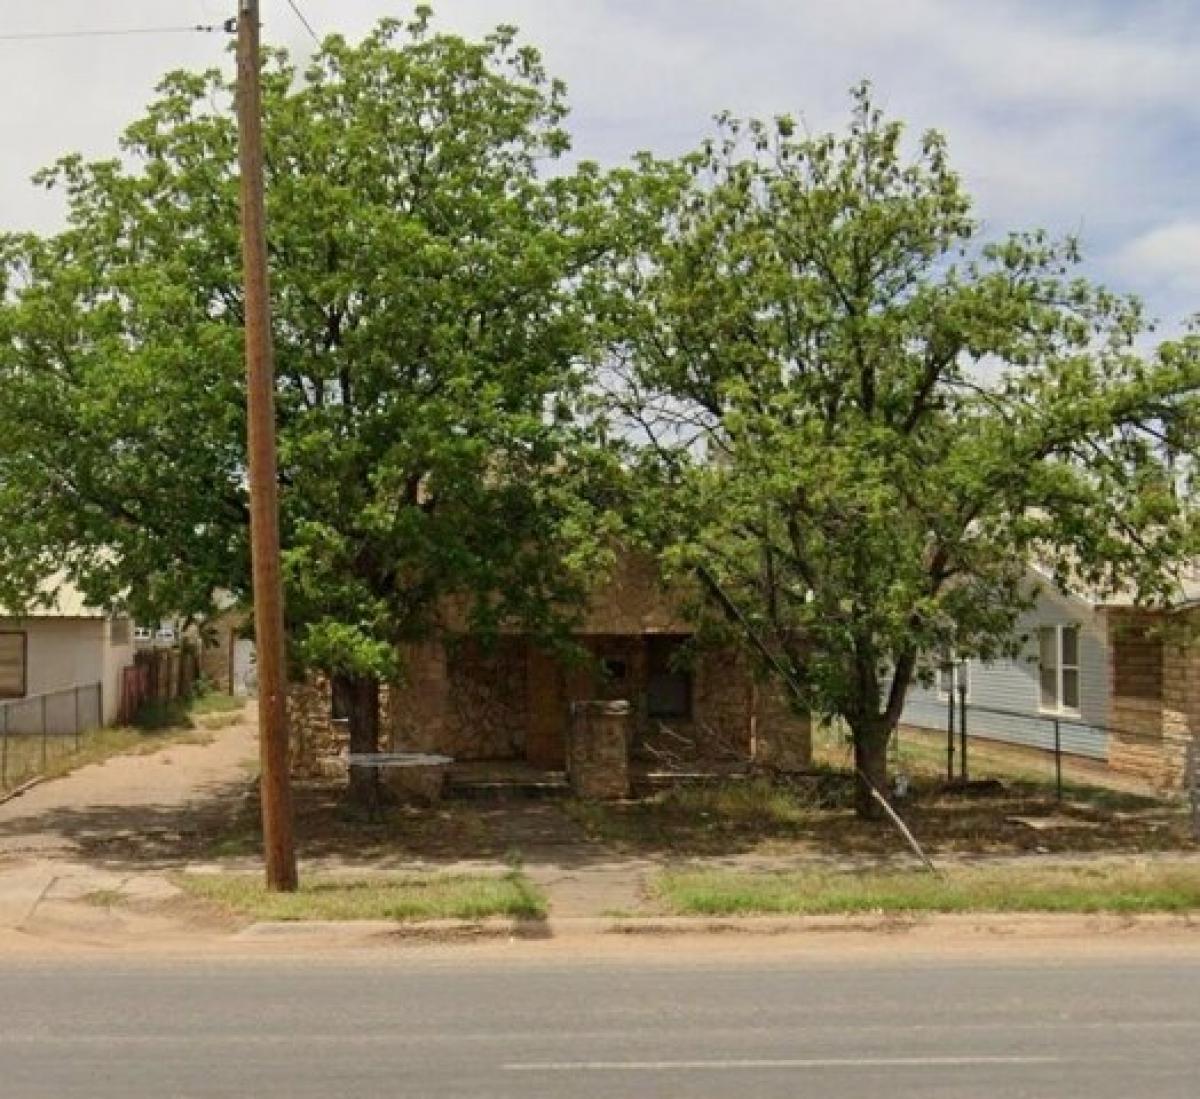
<point x="57" y="598"/>
<point x="1187" y="590"/>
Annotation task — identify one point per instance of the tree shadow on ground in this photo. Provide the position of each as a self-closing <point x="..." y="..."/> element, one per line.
<point x="222" y="822"/>
<point x="144" y="836"/>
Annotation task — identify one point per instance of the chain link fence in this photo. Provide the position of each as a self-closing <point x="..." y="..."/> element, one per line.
<point x="38" y="732"/>
<point x="1069" y="754"/>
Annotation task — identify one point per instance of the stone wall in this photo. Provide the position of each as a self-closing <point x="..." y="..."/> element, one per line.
<point x="462" y="699"/>
<point x="1154" y="673"/>
<point x="1135" y="680"/>
<point x="418" y="709"/>
<point x="216" y="654"/>
<point x="317" y="741"/>
<point x="782" y="737"/>
<point x="1181" y="697"/>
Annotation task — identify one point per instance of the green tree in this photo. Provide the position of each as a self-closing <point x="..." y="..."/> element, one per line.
<point x="864" y="423"/>
<point x="432" y="294"/>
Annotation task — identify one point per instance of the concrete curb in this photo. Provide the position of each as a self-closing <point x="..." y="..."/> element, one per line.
<point x="1016" y="925"/>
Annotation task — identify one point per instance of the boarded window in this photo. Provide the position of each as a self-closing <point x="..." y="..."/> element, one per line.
<point x="668" y="683"/>
<point x="13" y="652"/>
<point x="1137" y="664"/>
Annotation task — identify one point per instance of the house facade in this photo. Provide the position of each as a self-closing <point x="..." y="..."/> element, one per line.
<point x="1109" y="681"/>
<point x="691" y="705"/>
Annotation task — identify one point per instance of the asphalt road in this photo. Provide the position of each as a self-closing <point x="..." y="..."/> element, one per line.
<point x="441" y="1025"/>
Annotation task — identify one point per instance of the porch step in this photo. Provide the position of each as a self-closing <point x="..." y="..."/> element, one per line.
<point x="552" y="784"/>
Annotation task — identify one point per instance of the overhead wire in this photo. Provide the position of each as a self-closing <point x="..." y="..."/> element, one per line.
<point x="303" y="19"/>
<point x="116" y="32"/>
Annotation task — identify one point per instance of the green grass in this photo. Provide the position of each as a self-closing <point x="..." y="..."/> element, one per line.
<point x="1099" y="887"/>
<point x="413" y="897"/>
<point x="214" y="702"/>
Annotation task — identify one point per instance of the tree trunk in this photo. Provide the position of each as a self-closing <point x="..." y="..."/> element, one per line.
<point x="359" y="695"/>
<point x="870" y="761"/>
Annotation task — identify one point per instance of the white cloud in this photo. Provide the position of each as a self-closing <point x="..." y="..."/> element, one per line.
<point x="1167" y="256"/>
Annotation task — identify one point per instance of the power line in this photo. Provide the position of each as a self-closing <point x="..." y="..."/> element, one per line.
<point x="307" y="25"/>
<point x="123" y="32"/>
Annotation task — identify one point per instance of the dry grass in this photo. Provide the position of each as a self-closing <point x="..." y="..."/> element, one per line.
<point x="712" y="817"/>
<point x="1100" y="887"/>
<point x="412" y="897"/>
<point x="813" y="813"/>
<point x="27" y="757"/>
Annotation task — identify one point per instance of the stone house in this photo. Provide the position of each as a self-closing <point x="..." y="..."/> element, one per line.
<point x="512" y="700"/>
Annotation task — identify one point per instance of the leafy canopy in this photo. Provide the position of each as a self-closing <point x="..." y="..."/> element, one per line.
<point x="865" y="422"/>
<point x="432" y="299"/>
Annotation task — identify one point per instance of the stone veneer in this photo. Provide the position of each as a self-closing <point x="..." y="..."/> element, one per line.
<point x="598" y="749"/>
<point x="317" y="741"/>
<point x="782" y="737"/>
<point x="1181" y="700"/>
<point x="1155" y="694"/>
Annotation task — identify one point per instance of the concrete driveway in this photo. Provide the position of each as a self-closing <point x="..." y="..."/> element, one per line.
<point x="116" y="825"/>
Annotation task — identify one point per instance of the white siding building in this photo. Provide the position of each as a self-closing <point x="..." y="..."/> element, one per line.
<point x="54" y="649"/>
<point x="1061" y="673"/>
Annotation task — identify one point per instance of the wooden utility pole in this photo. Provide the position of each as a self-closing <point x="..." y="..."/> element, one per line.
<point x="278" y="847"/>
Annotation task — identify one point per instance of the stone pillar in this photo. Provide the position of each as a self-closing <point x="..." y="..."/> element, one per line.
<point x="316" y="741"/>
<point x="418" y="709"/>
<point x="598" y="749"/>
<point x="1181" y="709"/>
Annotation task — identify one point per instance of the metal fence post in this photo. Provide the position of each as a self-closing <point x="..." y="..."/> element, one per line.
<point x="45" y="731"/>
<point x="78" y="722"/>
<point x="950" y="735"/>
<point x="962" y="725"/>
<point x="4" y="748"/>
<point x="1058" y="759"/>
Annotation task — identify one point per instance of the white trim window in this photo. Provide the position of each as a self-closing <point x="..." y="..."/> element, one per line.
<point x="1058" y="669"/>
<point x="954" y="676"/>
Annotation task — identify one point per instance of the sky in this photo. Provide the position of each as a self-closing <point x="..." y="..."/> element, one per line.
<point x="1077" y="116"/>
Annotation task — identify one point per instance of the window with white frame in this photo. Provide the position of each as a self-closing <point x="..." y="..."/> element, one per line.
<point x="954" y="677"/>
<point x="1058" y="667"/>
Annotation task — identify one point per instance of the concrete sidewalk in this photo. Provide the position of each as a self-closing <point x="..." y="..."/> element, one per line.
<point x="116" y="828"/>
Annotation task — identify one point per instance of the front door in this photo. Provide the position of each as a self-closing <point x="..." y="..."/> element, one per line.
<point x="546" y="738"/>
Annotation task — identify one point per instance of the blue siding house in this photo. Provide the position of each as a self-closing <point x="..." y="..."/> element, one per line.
<point x="1061" y="673"/>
